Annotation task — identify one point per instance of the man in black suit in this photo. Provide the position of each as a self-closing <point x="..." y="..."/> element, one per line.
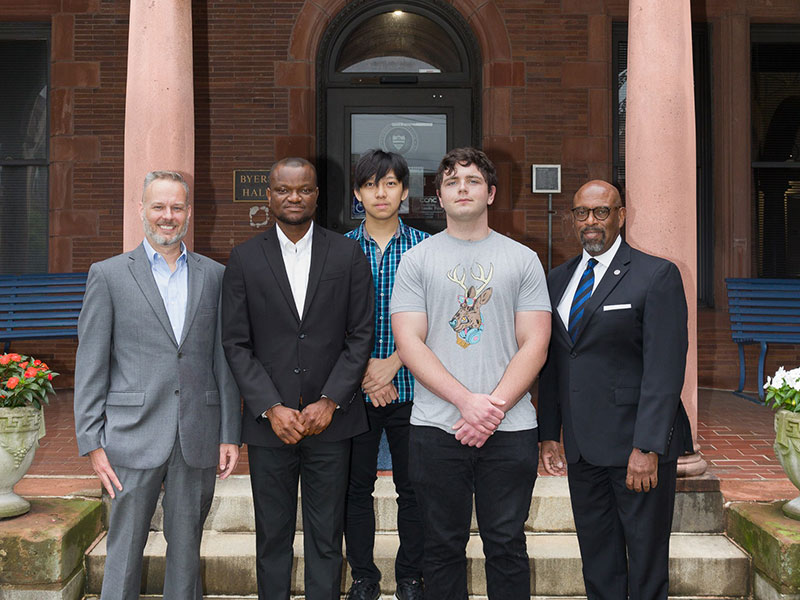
<point x="613" y="381"/>
<point x="297" y="328"/>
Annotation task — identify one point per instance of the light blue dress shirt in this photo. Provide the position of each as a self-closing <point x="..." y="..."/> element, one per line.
<point x="173" y="286"/>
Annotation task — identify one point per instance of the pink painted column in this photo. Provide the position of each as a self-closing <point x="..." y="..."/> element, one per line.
<point x="159" y="102"/>
<point x="660" y="157"/>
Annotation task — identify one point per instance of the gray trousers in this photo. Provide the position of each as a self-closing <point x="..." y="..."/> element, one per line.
<point x="188" y="493"/>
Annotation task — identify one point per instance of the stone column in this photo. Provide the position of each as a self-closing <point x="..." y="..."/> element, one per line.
<point x="660" y="157"/>
<point x="159" y="102"/>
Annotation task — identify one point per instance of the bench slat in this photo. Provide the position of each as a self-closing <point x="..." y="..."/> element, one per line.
<point x="44" y="289"/>
<point x="31" y="325"/>
<point x="49" y="334"/>
<point x="744" y="313"/>
<point x="766" y="327"/>
<point x="18" y="317"/>
<point x="764" y="304"/>
<point x="55" y="305"/>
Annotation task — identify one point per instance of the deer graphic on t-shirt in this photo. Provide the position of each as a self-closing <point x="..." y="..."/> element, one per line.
<point x="468" y="321"/>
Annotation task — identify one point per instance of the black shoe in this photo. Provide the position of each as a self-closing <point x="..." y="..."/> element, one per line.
<point x="364" y="589"/>
<point x="409" y="589"/>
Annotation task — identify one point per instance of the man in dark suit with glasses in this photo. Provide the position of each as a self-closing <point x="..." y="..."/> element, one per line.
<point x="613" y="381"/>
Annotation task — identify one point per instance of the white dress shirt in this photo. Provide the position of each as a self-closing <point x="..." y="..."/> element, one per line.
<point x="172" y="285"/>
<point x="603" y="261"/>
<point x="297" y="260"/>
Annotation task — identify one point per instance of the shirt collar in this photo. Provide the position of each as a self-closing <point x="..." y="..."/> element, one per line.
<point x="302" y="244"/>
<point x="153" y="256"/>
<point x="606" y="257"/>
<point x="362" y="233"/>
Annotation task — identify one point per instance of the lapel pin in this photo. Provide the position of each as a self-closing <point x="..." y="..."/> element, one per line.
<point x="616" y="272"/>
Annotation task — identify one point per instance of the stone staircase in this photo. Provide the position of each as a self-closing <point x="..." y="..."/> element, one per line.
<point x="703" y="562"/>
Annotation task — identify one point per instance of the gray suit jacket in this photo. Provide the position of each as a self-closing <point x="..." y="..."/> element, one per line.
<point x="136" y="386"/>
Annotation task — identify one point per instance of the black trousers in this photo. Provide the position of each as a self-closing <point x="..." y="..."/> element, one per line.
<point x="322" y="469"/>
<point x="501" y="474"/>
<point x="623" y="535"/>
<point x="359" y="531"/>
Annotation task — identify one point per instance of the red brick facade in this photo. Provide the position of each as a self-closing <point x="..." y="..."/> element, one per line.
<point x="546" y="99"/>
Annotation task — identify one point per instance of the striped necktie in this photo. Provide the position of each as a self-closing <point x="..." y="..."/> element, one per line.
<point x="582" y="294"/>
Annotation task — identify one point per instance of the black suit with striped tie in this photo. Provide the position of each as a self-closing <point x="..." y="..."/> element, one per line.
<point x="613" y="388"/>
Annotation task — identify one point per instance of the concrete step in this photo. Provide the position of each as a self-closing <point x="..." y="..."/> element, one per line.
<point x="391" y="597"/>
<point x="698" y="509"/>
<point x="701" y="565"/>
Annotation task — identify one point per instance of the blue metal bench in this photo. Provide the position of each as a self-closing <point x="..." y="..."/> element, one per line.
<point x="40" y="306"/>
<point x="763" y="311"/>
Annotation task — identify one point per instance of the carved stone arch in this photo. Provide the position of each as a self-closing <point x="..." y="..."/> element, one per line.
<point x="298" y="74"/>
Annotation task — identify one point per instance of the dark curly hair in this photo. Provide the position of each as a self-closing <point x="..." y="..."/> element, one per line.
<point x="465" y="157"/>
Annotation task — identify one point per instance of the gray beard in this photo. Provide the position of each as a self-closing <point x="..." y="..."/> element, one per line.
<point x="152" y="234"/>
<point x="594" y="245"/>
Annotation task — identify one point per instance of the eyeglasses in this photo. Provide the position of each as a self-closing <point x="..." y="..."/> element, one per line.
<point x="581" y="213"/>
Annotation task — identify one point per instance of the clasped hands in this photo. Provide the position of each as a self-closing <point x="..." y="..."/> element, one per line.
<point x="377" y="380"/>
<point x="480" y="416"/>
<point x="292" y="425"/>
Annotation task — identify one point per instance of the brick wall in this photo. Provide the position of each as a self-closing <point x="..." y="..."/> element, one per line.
<point x="546" y="99"/>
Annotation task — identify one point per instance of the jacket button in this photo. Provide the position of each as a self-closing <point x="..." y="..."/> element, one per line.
<point x="302" y="336"/>
<point x="573" y="355"/>
<point x="180" y="354"/>
<point x="177" y="392"/>
<point x="297" y="370"/>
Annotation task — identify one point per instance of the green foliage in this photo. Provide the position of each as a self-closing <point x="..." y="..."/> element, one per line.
<point x="24" y="381"/>
<point x="783" y="390"/>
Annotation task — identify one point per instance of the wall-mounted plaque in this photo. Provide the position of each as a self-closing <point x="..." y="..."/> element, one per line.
<point x="250" y="186"/>
<point x="546" y="179"/>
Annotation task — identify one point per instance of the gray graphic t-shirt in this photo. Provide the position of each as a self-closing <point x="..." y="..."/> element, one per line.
<point x="470" y="292"/>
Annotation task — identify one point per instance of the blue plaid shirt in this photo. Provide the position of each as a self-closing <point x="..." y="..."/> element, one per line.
<point x="384" y="268"/>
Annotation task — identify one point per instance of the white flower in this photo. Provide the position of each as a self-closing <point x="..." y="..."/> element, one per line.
<point x="793" y="378"/>
<point x="779" y="380"/>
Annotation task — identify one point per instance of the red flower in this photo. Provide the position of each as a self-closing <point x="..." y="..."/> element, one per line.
<point x="37" y="362"/>
<point x="23" y="365"/>
<point x="44" y="366"/>
<point x="31" y="372"/>
<point x="15" y="357"/>
<point x="50" y="376"/>
<point x="12" y="383"/>
<point x="5" y="359"/>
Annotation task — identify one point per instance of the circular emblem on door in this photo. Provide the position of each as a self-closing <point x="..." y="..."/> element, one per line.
<point x="398" y="138"/>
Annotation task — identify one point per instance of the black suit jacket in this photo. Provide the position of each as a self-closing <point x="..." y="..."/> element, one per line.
<point x="619" y="385"/>
<point x="277" y="357"/>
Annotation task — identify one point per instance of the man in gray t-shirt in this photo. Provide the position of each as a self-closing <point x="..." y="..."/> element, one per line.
<point x="471" y="318"/>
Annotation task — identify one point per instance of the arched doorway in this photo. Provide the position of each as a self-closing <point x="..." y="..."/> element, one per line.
<point x="403" y="76"/>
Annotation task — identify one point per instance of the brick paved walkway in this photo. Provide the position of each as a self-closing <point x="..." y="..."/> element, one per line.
<point x="735" y="437"/>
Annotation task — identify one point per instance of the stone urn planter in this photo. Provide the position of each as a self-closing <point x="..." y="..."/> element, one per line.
<point x="20" y="430"/>
<point x="787" y="449"/>
<point x="25" y="383"/>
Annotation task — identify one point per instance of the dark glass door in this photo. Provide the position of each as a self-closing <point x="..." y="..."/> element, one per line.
<point x="420" y="124"/>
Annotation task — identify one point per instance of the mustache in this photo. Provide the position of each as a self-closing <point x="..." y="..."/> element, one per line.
<point x="592" y="230"/>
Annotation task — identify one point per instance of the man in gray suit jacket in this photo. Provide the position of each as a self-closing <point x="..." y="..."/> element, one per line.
<point x="155" y="401"/>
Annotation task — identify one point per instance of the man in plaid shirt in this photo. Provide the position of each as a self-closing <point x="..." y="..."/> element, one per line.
<point x="381" y="184"/>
